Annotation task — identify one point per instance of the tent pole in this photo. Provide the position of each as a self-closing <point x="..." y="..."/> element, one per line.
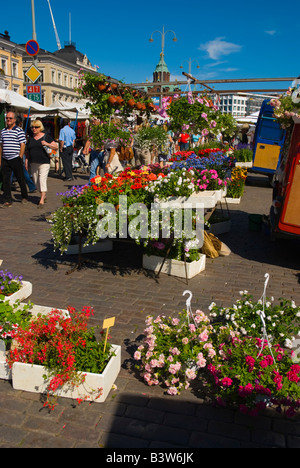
<point x="27" y="120"/>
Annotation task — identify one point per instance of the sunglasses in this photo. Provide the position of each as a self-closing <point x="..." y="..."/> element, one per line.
<point x="9" y="118"/>
<point x="35" y="126"/>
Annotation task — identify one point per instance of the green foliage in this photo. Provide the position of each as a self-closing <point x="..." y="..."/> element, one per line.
<point x="244" y="317"/>
<point x="11" y="317"/>
<point x="149" y="137"/>
<point x="227" y="125"/>
<point x="110" y="132"/>
<point x="243" y="155"/>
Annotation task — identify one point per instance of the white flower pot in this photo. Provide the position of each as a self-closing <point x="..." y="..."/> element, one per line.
<point x="220" y="228"/>
<point x="244" y="164"/>
<point x="234" y="201"/>
<point x="174" y="267"/>
<point x="5" y="371"/>
<point x="23" y="293"/>
<point x="29" y="378"/>
<point x="208" y="198"/>
<point x="104" y="245"/>
<point x="44" y="310"/>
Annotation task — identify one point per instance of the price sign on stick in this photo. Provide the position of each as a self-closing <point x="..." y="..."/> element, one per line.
<point x="107" y="324"/>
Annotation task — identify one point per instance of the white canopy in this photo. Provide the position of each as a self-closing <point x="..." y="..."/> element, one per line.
<point x="69" y="109"/>
<point x="20" y="102"/>
<point x="252" y="118"/>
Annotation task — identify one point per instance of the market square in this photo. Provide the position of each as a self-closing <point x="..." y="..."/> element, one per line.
<point x="149" y="255"/>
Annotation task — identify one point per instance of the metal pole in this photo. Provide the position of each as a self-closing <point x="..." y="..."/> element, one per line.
<point x="34" y="59"/>
<point x="33" y="20"/>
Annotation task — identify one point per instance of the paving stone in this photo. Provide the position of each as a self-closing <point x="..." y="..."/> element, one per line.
<point x="114" y="283"/>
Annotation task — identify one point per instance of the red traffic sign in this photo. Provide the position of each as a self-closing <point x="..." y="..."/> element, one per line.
<point x="32" y="48"/>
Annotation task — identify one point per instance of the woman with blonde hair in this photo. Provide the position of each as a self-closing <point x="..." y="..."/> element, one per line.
<point x="38" y="149"/>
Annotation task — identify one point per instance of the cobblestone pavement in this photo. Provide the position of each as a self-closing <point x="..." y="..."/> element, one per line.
<point x="114" y="284"/>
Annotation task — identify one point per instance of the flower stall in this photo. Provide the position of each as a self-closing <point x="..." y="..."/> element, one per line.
<point x="195" y="179"/>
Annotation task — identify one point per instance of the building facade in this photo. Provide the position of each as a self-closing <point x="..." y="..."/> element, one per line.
<point x="11" y="68"/>
<point x="59" y="70"/>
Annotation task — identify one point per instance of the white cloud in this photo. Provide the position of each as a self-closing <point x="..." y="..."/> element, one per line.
<point x="271" y="33"/>
<point x="219" y="47"/>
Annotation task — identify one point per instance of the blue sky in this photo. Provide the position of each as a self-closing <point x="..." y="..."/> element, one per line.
<point x="228" y="40"/>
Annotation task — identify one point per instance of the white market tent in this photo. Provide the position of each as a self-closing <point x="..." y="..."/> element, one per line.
<point x="20" y="102"/>
<point x="250" y="119"/>
<point x="69" y="109"/>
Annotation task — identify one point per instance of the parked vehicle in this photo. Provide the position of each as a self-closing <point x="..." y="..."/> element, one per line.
<point x="268" y="141"/>
<point x="285" y="209"/>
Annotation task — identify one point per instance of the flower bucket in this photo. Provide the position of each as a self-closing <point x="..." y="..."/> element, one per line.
<point x="174" y="267"/>
<point x="255" y="222"/>
<point x="24" y="292"/>
<point x="29" y="378"/>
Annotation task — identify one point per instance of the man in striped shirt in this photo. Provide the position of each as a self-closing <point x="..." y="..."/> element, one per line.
<point x="12" y="147"/>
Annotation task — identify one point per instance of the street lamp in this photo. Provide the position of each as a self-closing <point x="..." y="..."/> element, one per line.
<point x="190" y="61"/>
<point x="163" y="34"/>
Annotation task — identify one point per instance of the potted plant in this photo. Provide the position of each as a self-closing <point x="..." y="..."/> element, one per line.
<point x="250" y="375"/>
<point x="236" y="185"/>
<point x="243" y="156"/>
<point x="60" y="356"/>
<point x="244" y="317"/>
<point x="13" y="287"/>
<point x="11" y="317"/>
<point x="237" y="363"/>
<point x="174" y="349"/>
<point x="179" y="257"/>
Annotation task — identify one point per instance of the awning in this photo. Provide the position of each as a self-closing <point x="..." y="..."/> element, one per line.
<point x="20" y="102"/>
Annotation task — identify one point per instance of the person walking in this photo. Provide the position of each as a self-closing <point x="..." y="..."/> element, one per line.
<point x="29" y="182"/>
<point x="184" y="141"/>
<point x="12" y="148"/>
<point x="38" y="159"/>
<point x="67" y="138"/>
<point x="96" y="154"/>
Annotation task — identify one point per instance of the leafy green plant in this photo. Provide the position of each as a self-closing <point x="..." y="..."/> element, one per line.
<point x="151" y="137"/>
<point x="110" y="133"/>
<point x="12" y="316"/>
<point x="243" y="154"/>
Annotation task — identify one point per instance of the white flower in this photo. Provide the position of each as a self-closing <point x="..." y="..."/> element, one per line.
<point x="288" y="343"/>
